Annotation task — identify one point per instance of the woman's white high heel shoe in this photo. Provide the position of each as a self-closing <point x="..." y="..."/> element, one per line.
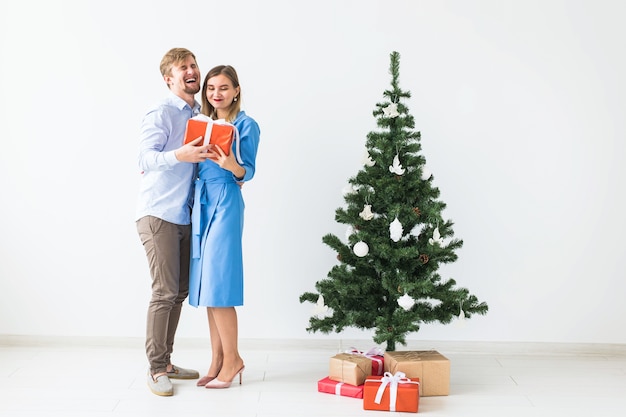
<point x="216" y="383"/>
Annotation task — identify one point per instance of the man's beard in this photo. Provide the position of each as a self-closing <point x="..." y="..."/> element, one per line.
<point x="192" y="90"/>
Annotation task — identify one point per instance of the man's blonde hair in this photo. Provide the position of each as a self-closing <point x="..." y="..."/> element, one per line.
<point x="172" y="57"/>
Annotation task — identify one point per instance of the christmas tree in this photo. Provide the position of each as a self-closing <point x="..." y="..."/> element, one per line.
<point x="397" y="239"/>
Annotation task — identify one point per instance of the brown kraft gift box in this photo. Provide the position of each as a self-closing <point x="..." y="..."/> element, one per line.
<point x="431" y="367"/>
<point x="349" y="369"/>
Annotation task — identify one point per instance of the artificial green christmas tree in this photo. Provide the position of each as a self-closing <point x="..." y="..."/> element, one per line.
<point x="396" y="237"/>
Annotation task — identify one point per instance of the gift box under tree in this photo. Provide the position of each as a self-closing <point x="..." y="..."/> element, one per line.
<point x="391" y="393"/>
<point x="376" y="354"/>
<point x="429" y="366"/>
<point x="349" y="368"/>
<point x="329" y="386"/>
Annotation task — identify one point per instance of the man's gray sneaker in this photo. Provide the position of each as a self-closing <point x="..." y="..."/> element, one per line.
<point x="182" y="373"/>
<point x="161" y="385"/>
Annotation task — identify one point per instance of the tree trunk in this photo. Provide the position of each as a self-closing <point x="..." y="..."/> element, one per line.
<point x="391" y="345"/>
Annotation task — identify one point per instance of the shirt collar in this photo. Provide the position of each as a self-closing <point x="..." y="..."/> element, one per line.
<point x="182" y="104"/>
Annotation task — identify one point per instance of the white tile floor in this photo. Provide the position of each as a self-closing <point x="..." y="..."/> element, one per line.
<point x="98" y="378"/>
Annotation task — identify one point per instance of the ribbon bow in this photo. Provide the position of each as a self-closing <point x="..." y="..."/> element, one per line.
<point x="375" y="351"/>
<point x="392" y="381"/>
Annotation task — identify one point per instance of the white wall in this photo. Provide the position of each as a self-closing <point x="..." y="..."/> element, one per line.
<point x="520" y="104"/>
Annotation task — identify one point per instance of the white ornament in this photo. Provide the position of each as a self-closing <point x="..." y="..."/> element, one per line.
<point x="391" y="110"/>
<point x="349" y="231"/>
<point x="396" y="168"/>
<point x="367" y="214"/>
<point x="406" y="302"/>
<point x="461" y="316"/>
<point x="425" y="173"/>
<point x="416" y="230"/>
<point x="360" y="249"/>
<point x="395" y="230"/>
<point x="321" y="310"/>
<point x="367" y="160"/>
<point x="348" y="189"/>
<point x="436" y="239"/>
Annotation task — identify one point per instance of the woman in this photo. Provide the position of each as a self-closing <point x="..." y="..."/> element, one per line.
<point x="216" y="275"/>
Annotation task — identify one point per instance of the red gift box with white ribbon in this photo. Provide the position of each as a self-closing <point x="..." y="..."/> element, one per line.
<point x="329" y="386"/>
<point x="391" y="393"/>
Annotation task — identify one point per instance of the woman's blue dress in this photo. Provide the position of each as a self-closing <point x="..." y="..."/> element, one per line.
<point x="216" y="270"/>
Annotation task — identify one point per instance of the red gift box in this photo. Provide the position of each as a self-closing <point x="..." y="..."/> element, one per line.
<point x="391" y="393"/>
<point x="339" y="388"/>
<point x="215" y="132"/>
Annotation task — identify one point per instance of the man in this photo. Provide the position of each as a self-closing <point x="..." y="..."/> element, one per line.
<point x="163" y="211"/>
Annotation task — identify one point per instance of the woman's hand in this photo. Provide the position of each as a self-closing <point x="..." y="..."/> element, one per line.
<point x="228" y="162"/>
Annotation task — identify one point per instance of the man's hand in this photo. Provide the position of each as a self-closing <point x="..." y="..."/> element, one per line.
<point x="193" y="152"/>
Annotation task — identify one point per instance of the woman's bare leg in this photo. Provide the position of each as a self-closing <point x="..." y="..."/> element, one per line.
<point x="217" y="351"/>
<point x="225" y="320"/>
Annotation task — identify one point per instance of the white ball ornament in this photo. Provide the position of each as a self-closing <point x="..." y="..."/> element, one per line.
<point x="360" y="249"/>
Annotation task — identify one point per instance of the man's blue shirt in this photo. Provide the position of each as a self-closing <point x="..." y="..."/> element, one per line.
<point x="166" y="185"/>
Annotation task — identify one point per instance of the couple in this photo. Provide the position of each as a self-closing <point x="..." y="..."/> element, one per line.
<point x="200" y="259"/>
